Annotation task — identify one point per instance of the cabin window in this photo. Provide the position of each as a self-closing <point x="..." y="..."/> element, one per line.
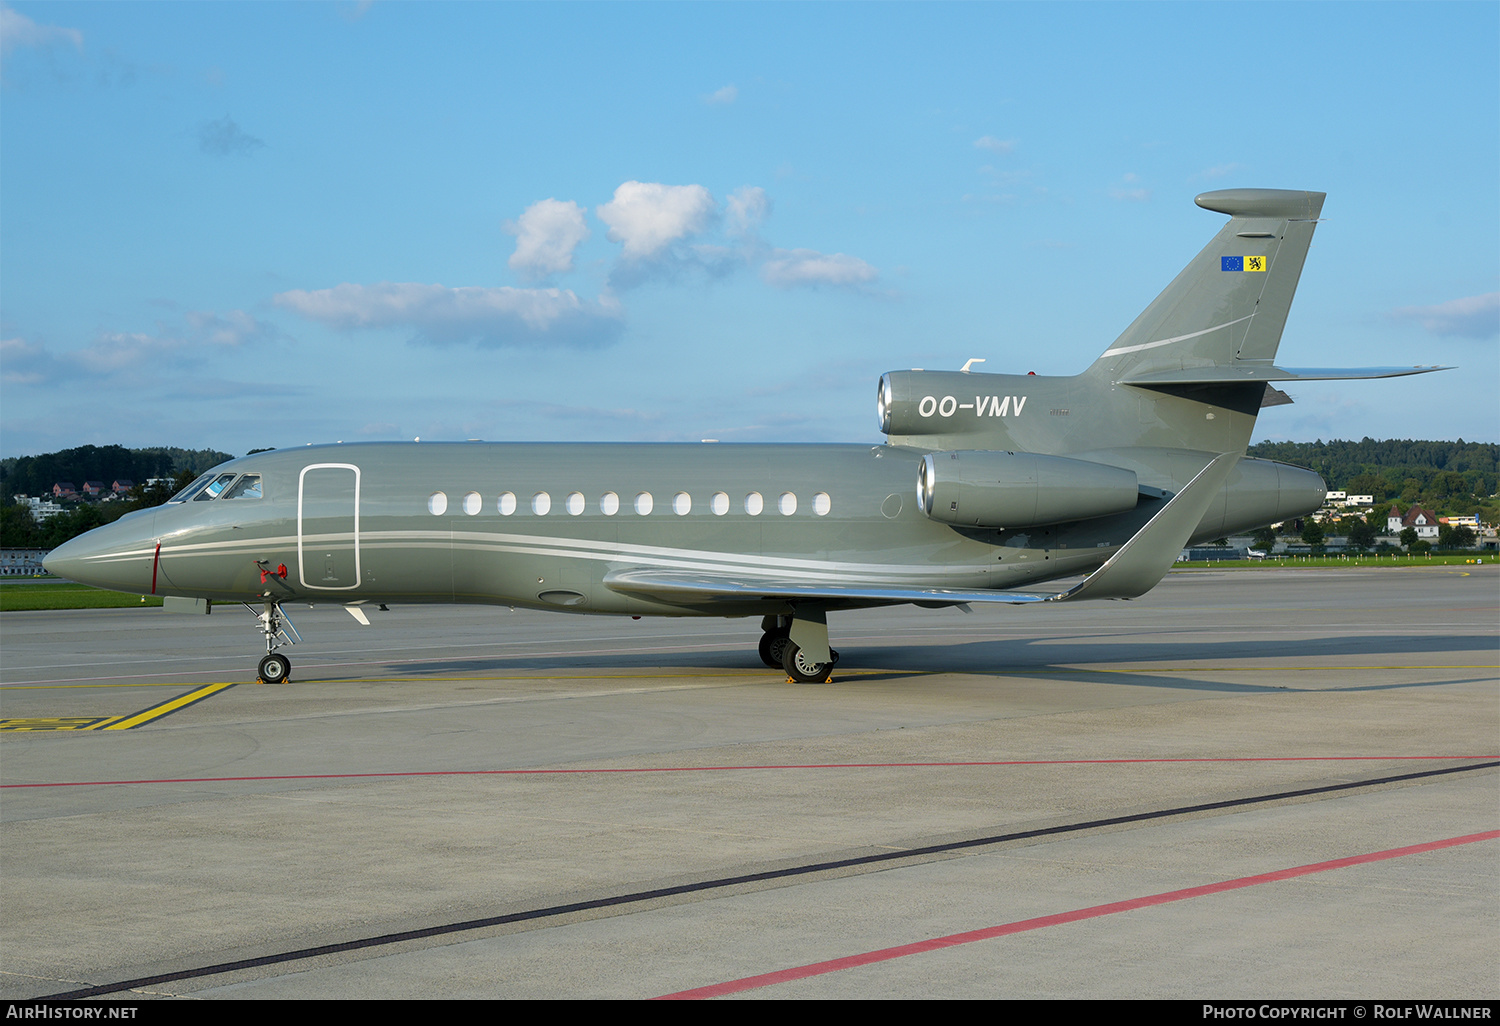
<point x="754" y="504"/>
<point x="609" y="504"/>
<point x="506" y="503"/>
<point x="822" y="504"/>
<point x="575" y="503"/>
<point x="682" y="504"/>
<point x="644" y="503"/>
<point x="541" y="504"/>
<point x="215" y="486"/>
<point x="437" y="503"/>
<point x="473" y="503"/>
<point x="247" y="487"/>
<point x="719" y="504"/>
<point x="787" y="503"/>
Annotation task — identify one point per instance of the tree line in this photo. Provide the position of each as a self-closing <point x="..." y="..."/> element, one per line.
<point x="35" y="476"/>
<point x="1443" y="477"/>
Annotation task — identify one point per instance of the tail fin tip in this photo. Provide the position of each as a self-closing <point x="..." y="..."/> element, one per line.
<point x="1293" y="204"/>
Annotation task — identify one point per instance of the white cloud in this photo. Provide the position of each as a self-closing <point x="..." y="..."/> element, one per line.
<point x="18" y="30"/>
<point x="1219" y="170"/>
<point x="231" y="329"/>
<point x="722" y="96"/>
<point x="789" y="268"/>
<point x="647" y="217"/>
<point x="546" y="233"/>
<point x="114" y="353"/>
<point x="489" y="316"/>
<point x="1130" y="191"/>
<point x="24" y="363"/>
<point x="1471" y="316"/>
<point x="223" y="138"/>
<point x="994" y="145"/>
<point x="748" y="207"/>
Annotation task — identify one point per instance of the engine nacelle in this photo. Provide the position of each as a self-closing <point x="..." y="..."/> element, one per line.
<point x="1019" y="489"/>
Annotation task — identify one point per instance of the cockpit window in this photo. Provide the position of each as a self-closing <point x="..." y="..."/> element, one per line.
<point x="215" y="486"/>
<point x="247" y="487"/>
<point x="187" y="493"/>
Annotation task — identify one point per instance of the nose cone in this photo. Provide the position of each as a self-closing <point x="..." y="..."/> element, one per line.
<point x="118" y="556"/>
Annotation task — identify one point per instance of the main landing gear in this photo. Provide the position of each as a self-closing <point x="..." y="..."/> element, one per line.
<point x="798" y="644"/>
<point x="278" y="630"/>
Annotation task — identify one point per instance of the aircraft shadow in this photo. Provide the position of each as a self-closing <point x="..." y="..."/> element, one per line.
<point x="1038" y="658"/>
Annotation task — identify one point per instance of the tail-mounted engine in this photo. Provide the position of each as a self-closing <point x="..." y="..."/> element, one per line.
<point x="1019" y="489"/>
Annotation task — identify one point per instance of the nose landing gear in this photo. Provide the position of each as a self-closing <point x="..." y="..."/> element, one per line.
<point x="278" y="630"/>
<point x="273" y="669"/>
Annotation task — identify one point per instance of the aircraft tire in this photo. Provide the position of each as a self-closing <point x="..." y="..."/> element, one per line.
<point x="802" y="671"/>
<point x="773" y="646"/>
<point x="274" y="669"/>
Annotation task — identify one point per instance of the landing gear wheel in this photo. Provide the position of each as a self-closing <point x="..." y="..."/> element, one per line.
<point x="773" y="645"/>
<point x="803" y="670"/>
<point x="274" y="669"/>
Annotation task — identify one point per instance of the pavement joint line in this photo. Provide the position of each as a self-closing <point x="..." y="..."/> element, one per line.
<point x="563" y="771"/>
<point x="883" y="859"/>
<point x="1061" y="918"/>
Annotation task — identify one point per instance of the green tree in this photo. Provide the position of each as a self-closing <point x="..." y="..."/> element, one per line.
<point x="1360" y="534"/>
<point x="1450" y="537"/>
<point x="18" y="529"/>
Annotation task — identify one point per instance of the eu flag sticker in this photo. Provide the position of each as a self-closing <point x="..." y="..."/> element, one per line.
<point x="1231" y="263"/>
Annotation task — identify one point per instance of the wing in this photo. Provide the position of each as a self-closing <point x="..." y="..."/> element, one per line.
<point x="1135" y="569"/>
<point x="697" y="588"/>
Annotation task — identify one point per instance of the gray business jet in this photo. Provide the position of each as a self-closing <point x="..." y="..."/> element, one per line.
<point x="987" y="486"/>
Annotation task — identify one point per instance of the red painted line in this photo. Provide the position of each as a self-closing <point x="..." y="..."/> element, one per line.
<point x="155" y="562"/>
<point x="954" y="940"/>
<point x="723" y="769"/>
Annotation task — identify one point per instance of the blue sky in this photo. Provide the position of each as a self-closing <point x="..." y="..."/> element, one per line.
<point x="248" y="225"/>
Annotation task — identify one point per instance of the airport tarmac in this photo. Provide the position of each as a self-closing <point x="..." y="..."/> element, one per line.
<point x="1267" y="784"/>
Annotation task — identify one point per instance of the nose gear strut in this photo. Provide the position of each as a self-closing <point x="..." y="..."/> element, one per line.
<point x="278" y="630"/>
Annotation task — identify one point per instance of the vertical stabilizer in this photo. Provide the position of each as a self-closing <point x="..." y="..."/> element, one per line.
<point x="1230" y="303"/>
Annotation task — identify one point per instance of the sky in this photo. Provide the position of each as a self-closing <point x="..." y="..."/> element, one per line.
<point x="250" y="225"/>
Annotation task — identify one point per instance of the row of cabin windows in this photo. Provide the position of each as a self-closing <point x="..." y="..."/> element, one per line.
<point x="609" y="503"/>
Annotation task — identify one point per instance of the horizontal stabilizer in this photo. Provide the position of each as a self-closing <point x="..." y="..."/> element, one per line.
<point x="1242" y="372"/>
<point x="1145" y="559"/>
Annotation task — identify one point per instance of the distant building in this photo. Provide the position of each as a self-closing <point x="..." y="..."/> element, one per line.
<point x="64" y="490"/>
<point x="21" y="562"/>
<point x="93" y="489"/>
<point x="1211" y="553"/>
<point x="1426" y="524"/>
<point x="40" y="508"/>
<point x="122" y="486"/>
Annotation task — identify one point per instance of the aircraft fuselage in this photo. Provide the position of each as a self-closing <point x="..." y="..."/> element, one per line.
<point x="542" y="525"/>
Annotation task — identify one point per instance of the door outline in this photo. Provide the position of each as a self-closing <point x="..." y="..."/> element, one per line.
<point x="301" y="491"/>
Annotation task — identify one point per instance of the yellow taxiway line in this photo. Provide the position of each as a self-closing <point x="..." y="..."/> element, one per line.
<point x="141" y="718"/>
